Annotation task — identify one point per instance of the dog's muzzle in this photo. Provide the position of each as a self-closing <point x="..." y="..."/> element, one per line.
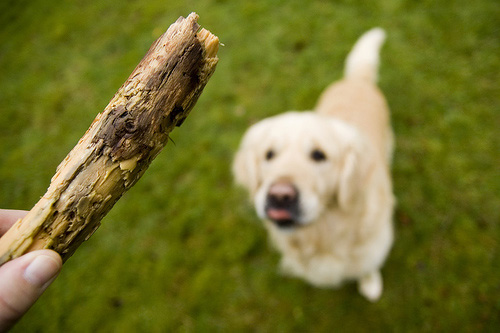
<point x="282" y="204"/>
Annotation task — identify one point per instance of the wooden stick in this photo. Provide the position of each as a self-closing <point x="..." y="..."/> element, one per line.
<point x="120" y="144"/>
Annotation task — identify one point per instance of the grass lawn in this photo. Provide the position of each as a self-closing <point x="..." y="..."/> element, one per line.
<point x="183" y="249"/>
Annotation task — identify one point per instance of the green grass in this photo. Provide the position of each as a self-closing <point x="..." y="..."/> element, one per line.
<point x="183" y="250"/>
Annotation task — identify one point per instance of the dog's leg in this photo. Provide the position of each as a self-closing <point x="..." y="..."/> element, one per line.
<point x="370" y="286"/>
<point x="321" y="271"/>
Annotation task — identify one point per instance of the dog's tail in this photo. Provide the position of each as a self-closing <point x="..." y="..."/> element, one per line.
<point x="363" y="60"/>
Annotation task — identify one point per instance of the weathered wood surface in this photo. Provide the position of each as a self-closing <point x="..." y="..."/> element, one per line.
<point x="120" y="144"/>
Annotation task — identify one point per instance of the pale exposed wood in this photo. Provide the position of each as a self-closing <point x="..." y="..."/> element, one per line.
<point x="120" y="144"/>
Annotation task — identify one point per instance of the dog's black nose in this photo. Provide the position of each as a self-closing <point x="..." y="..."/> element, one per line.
<point x="282" y="195"/>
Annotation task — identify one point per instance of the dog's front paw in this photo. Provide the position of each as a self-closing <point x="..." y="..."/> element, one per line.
<point x="370" y="286"/>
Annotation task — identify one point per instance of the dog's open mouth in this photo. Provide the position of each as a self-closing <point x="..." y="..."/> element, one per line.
<point x="282" y="217"/>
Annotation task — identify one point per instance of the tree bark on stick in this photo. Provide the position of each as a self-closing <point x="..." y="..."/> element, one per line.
<point x="120" y="144"/>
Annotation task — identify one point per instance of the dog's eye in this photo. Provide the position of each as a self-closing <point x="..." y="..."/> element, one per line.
<point x="317" y="155"/>
<point x="269" y="154"/>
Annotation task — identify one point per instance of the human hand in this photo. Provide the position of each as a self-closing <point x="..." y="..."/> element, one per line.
<point x="24" y="279"/>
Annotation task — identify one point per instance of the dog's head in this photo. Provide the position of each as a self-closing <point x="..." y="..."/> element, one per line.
<point x="297" y="164"/>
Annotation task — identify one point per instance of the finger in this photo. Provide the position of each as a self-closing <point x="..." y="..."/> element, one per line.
<point x="8" y="217"/>
<point x="23" y="280"/>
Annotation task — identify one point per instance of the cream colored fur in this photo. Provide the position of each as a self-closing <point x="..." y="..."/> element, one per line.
<point x="344" y="231"/>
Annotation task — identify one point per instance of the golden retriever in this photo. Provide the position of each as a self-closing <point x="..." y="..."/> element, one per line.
<point x="321" y="182"/>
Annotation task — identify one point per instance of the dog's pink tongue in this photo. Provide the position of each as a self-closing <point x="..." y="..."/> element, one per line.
<point x="279" y="214"/>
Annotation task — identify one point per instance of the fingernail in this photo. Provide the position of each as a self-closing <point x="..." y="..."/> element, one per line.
<point x="41" y="270"/>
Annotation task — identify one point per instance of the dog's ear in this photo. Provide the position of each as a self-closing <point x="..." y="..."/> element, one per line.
<point x="245" y="169"/>
<point x="356" y="162"/>
<point x="245" y="164"/>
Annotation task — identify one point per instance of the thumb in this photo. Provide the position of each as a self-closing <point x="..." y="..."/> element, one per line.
<point x="23" y="280"/>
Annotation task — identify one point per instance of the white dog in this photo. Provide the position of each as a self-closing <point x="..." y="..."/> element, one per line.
<point x="321" y="180"/>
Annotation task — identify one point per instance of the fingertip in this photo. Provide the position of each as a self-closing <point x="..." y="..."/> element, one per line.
<point x="43" y="269"/>
<point x="23" y="280"/>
